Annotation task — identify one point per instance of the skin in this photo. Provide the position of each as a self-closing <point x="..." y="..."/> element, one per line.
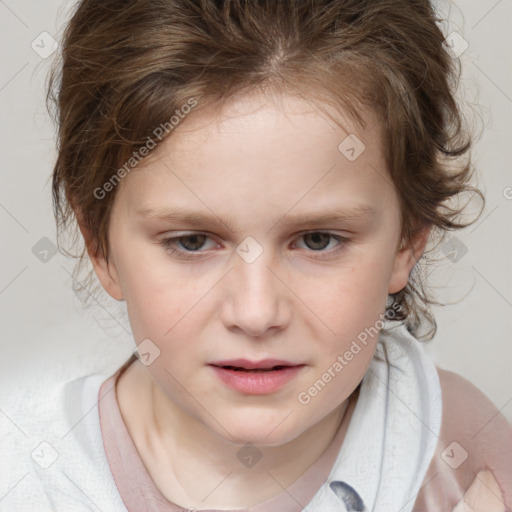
<point x="257" y="162"/>
<point x="482" y="495"/>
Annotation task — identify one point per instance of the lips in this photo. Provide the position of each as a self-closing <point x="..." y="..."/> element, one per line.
<point x="254" y="370"/>
<point x="256" y="377"/>
<point x="264" y="365"/>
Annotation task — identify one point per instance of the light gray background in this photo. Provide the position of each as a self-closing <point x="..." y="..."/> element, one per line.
<point x="45" y="331"/>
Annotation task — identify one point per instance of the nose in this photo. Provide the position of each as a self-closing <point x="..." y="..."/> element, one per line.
<point x="256" y="299"/>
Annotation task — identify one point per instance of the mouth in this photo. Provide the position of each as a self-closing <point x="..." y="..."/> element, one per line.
<point x="264" y="365"/>
<point x="254" y="370"/>
<point x="258" y="377"/>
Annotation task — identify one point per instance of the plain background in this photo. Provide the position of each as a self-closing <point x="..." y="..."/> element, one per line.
<point x="45" y="330"/>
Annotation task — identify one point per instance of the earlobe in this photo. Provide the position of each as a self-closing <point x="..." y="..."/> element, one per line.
<point x="109" y="279"/>
<point x="406" y="257"/>
<point x="107" y="274"/>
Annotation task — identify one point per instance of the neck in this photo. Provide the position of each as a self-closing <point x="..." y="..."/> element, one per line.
<point x="192" y="466"/>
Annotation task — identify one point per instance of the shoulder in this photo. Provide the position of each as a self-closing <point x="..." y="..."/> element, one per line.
<point x="51" y="445"/>
<point x="473" y="456"/>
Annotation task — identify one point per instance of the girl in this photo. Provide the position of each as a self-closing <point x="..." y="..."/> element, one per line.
<point x="258" y="180"/>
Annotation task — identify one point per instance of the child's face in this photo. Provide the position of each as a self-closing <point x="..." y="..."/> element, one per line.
<point x="304" y="299"/>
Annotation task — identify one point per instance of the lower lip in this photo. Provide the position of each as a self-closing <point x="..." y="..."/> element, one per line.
<point x="257" y="383"/>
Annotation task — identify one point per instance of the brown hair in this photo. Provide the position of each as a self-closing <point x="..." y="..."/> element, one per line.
<point x="126" y="67"/>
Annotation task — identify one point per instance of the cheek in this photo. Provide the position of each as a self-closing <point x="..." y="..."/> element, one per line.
<point x="350" y="307"/>
<point x="349" y="300"/>
<point x="157" y="296"/>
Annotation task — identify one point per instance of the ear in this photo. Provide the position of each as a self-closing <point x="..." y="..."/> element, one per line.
<point x="406" y="257"/>
<point x="107" y="273"/>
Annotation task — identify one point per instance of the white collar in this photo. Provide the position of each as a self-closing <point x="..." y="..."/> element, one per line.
<point x="392" y="434"/>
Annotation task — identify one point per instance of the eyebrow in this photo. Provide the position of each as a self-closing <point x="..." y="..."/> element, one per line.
<point x="197" y="218"/>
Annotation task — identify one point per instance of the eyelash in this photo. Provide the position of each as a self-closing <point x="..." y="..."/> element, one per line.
<point x="169" y="245"/>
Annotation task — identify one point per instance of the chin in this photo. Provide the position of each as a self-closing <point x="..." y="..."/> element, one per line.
<point x="258" y="431"/>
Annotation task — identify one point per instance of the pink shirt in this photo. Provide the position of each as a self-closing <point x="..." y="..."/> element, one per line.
<point x="472" y="466"/>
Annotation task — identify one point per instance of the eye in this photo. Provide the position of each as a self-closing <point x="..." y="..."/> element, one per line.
<point x="318" y="240"/>
<point x="191" y="243"/>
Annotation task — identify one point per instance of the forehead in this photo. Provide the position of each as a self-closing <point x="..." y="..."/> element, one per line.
<point x="264" y="111"/>
<point x="281" y="149"/>
<point x="260" y="112"/>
